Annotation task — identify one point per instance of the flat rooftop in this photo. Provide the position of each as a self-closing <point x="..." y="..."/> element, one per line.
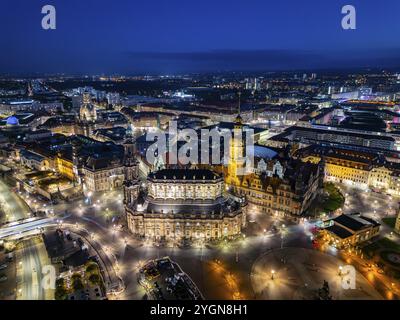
<point x="164" y="280"/>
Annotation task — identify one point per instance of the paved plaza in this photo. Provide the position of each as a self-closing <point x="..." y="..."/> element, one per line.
<point x="298" y="273"/>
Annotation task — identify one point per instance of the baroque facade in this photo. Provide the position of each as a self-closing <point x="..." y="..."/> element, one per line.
<point x="359" y="169"/>
<point x="183" y="204"/>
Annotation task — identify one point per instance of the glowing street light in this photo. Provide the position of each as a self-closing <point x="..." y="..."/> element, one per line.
<point x="272" y="274"/>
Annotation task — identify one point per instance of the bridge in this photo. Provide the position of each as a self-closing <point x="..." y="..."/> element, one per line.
<point x="30" y="226"/>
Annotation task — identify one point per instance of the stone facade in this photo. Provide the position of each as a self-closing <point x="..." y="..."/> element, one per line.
<point x="185" y="204"/>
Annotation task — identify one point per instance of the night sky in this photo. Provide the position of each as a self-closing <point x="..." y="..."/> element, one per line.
<point x="175" y="36"/>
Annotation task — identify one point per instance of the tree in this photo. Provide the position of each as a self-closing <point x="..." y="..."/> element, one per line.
<point x="60" y="283"/>
<point x="60" y="293"/>
<point x="92" y="267"/>
<point x="324" y="292"/>
<point x="77" y="283"/>
<point x="94" y="278"/>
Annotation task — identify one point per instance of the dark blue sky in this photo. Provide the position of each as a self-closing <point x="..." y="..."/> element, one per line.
<point x="168" y="36"/>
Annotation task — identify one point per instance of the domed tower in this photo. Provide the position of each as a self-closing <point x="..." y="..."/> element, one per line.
<point x="131" y="170"/>
<point x="87" y="112"/>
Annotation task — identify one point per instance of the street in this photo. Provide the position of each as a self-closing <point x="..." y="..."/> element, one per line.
<point x="12" y="205"/>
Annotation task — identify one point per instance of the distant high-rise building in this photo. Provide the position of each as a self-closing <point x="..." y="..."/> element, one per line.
<point x="313" y="76"/>
<point x="253" y="84"/>
<point x="248" y="84"/>
<point x="113" y="98"/>
<point x="100" y="95"/>
<point x="364" y="92"/>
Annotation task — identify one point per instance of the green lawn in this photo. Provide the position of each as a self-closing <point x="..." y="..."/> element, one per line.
<point x="335" y="199"/>
<point x="386" y="243"/>
<point x="390" y="221"/>
<point x="381" y="244"/>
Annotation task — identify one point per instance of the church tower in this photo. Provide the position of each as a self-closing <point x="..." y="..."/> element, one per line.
<point x="87" y="116"/>
<point x="236" y="151"/>
<point x="76" y="162"/>
<point x="131" y="170"/>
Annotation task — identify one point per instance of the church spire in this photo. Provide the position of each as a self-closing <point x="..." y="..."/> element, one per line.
<point x="239" y="102"/>
<point x="129" y="143"/>
<point x="129" y="132"/>
<point x="239" y="120"/>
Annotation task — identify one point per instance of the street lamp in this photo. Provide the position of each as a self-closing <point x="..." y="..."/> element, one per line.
<point x="340" y="270"/>
<point x="272" y="274"/>
<point x="282" y="235"/>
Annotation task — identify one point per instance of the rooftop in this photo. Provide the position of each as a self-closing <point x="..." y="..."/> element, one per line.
<point x="165" y="280"/>
<point x="355" y="222"/>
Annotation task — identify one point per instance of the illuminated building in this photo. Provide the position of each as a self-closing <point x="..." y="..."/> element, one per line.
<point x="323" y="135"/>
<point x="98" y="165"/>
<point x="343" y="165"/>
<point x="95" y="165"/>
<point x="87" y="117"/>
<point x="185" y="204"/>
<point x="278" y="185"/>
<point x="34" y="161"/>
<point x="102" y="175"/>
<point x="113" y="98"/>
<point x="65" y="167"/>
<point x="359" y="169"/>
<point x="87" y="112"/>
<point x="349" y="230"/>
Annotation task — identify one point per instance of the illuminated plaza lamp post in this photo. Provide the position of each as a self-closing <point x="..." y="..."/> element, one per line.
<point x="283" y="231"/>
<point x="272" y="274"/>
